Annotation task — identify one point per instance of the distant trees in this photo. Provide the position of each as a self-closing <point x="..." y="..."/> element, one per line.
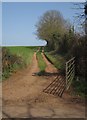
<point x="51" y="27"/>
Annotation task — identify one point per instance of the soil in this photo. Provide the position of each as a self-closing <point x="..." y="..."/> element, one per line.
<point x="23" y="96"/>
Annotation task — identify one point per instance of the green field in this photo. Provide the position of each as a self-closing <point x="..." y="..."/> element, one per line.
<point x="25" y="52"/>
<point x="21" y="55"/>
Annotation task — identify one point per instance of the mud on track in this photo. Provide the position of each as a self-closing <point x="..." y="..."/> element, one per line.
<point x="23" y="96"/>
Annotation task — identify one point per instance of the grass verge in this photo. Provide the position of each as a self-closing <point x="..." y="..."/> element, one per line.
<point x="41" y="63"/>
<point x="57" y="61"/>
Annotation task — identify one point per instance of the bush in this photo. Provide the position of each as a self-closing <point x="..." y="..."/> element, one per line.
<point x="9" y="63"/>
<point x="80" y="86"/>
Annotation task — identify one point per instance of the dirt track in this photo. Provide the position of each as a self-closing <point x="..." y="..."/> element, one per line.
<point x="23" y="96"/>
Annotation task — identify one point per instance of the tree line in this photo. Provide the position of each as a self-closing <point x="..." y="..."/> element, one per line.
<point x="62" y="39"/>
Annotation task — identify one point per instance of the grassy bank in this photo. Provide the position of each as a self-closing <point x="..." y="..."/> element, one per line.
<point x="57" y="61"/>
<point x="25" y="52"/>
<point x="41" y="63"/>
<point x="15" y="58"/>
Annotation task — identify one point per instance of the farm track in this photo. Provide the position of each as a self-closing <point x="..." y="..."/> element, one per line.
<point x="50" y="68"/>
<point x="23" y="96"/>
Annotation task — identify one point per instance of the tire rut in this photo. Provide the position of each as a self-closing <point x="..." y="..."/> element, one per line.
<point x="23" y="97"/>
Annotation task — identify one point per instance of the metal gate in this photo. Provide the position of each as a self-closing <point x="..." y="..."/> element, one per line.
<point x="70" y="72"/>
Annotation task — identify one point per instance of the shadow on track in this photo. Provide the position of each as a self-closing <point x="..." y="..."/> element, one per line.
<point x="43" y="73"/>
